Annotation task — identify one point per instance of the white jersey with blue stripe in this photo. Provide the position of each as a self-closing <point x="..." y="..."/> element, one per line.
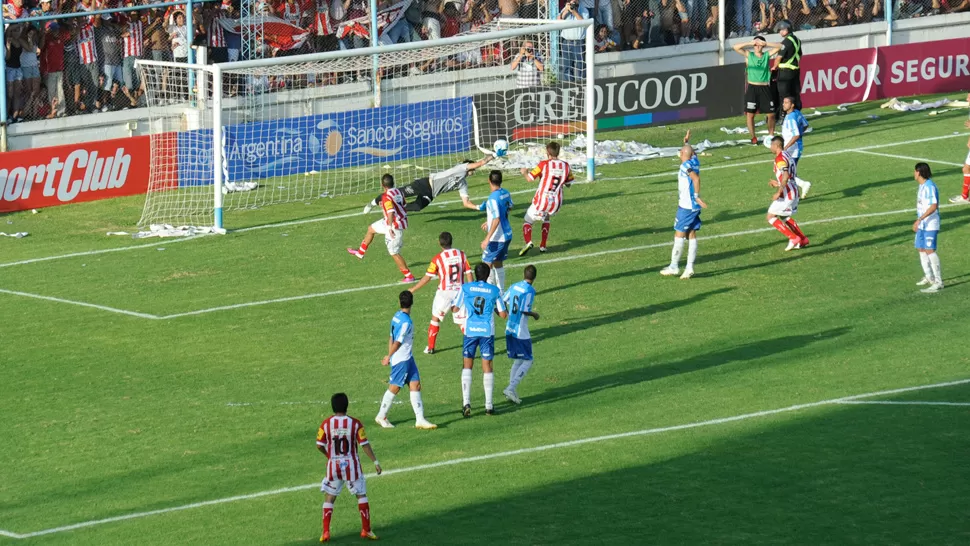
<point x="927" y="196"/>
<point x="685" y="184"/>
<point x="519" y="300"/>
<point x="478" y="301"/>
<point x="498" y="205"/>
<point x="402" y="330"/>
<point x="794" y="125"/>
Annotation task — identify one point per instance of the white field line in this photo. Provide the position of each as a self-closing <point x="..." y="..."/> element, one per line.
<point x="904" y="403"/>
<point x="348" y="215"/>
<point x="894" y="156"/>
<point x="533" y="262"/>
<point x="9" y="534"/>
<point x="502" y="454"/>
<point x="81" y="304"/>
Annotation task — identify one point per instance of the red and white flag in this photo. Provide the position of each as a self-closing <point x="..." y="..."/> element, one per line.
<point x="277" y="33"/>
<point x="385" y="20"/>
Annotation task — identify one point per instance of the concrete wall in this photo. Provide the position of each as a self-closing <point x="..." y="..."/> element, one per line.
<point x="126" y="123"/>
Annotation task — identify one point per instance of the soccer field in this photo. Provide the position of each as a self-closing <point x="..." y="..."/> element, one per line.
<point x="169" y="392"/>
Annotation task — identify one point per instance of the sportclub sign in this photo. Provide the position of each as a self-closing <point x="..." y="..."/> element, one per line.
<point x="619" y="103"/>
<point x="885" y="72"/>
<point x="58" y="175"/>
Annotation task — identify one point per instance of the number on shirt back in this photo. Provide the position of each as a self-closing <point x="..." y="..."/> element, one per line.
<point x="341" y="445"/>
<point x="478" y="305"/>
<point x="454" y="272"/>
<point x="515" y="305"/>
<point x="556" y="181"/>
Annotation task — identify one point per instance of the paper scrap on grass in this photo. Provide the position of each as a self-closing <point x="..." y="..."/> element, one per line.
<point x="17" y="235"/>
<point x="166" y="230"/>
<point x="917" y="106"/>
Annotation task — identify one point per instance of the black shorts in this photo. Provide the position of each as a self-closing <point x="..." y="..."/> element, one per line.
<point x="758" y="99"/>
<point x="419" y="193"/>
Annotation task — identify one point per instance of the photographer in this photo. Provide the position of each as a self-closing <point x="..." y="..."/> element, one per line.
<point x="573" y="63"/>
<point x="527" y="67"/>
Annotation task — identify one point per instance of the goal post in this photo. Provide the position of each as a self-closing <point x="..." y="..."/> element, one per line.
<point x="249" y="134"/>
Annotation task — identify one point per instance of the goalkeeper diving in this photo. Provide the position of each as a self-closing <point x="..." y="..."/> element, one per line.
<point x="422" y="191"/>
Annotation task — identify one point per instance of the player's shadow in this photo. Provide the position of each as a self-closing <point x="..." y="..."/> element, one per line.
<point x="647" y="371"/>
<point x="860" y="189"/>
<point x="596" y="321"/>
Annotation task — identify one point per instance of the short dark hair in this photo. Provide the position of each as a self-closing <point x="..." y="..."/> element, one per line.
<point x="789" y="99"/>
<point x="760" y="38"/>
<point x="339" y="403"/>
<point x="530" y="272"/>
<point x="482" y="271"/>
<point x="495" y="177"/>
<point x="387" y="180"/>
<point x="778" y="140"/>
<point x="924" y="170"/>
<point x="553" y="149"/>
<point x="445" y="239"/>
<point x="406" y="298"/>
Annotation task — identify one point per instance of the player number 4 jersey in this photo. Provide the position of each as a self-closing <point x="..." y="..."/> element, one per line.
<point x="449" y="267"/>
<point x="392" y="206"/>
<point x="519" y="300"/>
<point x="553" y="175"/>
<point x="339" y="437"/>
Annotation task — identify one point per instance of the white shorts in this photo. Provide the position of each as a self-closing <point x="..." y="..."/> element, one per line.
<point x="783" y="207"/>
<point x="533" y="215"/>
<point x="334" y="487"/>
<point x="394" y="245"/>
<point x="443" y="299"/>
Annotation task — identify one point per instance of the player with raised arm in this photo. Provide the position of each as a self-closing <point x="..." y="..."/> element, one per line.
<point x="518" y="342"/>
<point x="553" y="174"/>
<point x="422" y="191"/>
<point x="404" y="371"/>
<point x="793" y="131"/>
<point x="451" y="269"/>
<point x="965" y="196"/>
<point x="689" y="205"/>
<point x="391" y="226"/>
<point x="927" y="227"/>
<point x="338" y="438"/>
<point x="498" y="230"/>
<point x="478" y="300"/>
<point x="785" y="201"/>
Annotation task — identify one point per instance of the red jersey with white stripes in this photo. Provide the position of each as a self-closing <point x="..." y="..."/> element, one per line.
<point x="339" y="437"/>
<point x="784" y="164"/>
<point x="135" y="39"/>
<point x="86" y="49"/>
<point x="552" y="174"/>
<point x="292" y="13"/>
<point x="449" y="266"/>
<point x="392" y="205"/>
<point x="217" y="37"/>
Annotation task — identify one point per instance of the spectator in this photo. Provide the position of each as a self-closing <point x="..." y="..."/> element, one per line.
<point x="573" y="64"/>
<point x="133" y="40"/>
<point x="52" y="65"/>
<point x="86" y="90"/>
<point x="15" y="77"/>
<point x="30" y="67"/>
<point x="179" y="36"/>
<point x="529" y="9"/>
<point x="742" y="18"/>
<point x="113" y="53"/>
<point x="604" y="41"/>
<point x="527" y="66"/>
<point x="508" y="8"/>
<point x="711" y="28"/>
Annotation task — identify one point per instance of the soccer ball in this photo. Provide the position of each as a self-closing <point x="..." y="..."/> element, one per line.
<point x="501" y="147"/>
<point x="767" y="141"/>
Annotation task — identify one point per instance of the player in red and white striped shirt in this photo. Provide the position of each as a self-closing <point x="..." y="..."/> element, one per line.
<point x="553" y="175"/>
<point x="785" y="204"/>
<point x="451" y="269"/>
<point x="338" y="438"/>
<point x="391" y="226"/>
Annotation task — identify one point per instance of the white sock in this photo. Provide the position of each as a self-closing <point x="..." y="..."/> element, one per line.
<point x="935" y="266"/>
<point x="385" y="404"/>
<point x="676" y="252"/>
<point x="466" y="387"/>
<point x="491" y="277"/>
<point x="512" y="373"/>
<point x="489" y="380"/>
<point x="691" y="253"/>
<point x="924" y="260"/>
<point x="500" y="277"/>
<point x="520" y="373"/>
<point x="417" y="406"/>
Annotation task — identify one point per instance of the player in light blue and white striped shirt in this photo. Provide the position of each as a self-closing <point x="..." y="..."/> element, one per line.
<point x="927" y="226"/>
<point x="793" y="131"/>
<point x="518" y="342"/>
<point x="689" y="205"/>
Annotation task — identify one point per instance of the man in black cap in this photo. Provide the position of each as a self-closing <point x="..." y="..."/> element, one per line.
<point x="789" y="73"/>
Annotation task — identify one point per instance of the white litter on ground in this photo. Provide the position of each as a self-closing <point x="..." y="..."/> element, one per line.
<point x="17" y="235"/>
<point x="166" y="230"/>
<point x="917" y="106"/>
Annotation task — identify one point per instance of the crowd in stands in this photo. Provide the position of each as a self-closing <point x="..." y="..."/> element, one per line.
<point x="79" y="65"/>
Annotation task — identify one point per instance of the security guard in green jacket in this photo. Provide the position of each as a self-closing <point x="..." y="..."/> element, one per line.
<point x="789" y="73"/>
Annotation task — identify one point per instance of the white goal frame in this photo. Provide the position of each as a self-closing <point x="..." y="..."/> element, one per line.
<point x="216" y="72"/>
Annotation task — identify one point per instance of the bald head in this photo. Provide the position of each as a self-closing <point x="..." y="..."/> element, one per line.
<point x="686" y="152"/>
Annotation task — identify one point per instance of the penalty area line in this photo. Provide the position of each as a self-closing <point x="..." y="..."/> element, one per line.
<point x="903" y="403"/>
<point x="81" y="304"/>
<point x="502" y="454"/>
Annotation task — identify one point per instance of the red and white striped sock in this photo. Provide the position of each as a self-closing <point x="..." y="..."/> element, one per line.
<point x="433" y="333"/>
<point x="793" y="226"/>
<point x="545" y="234"/>
<point x="363" y="248"/>
<point x="327" y="514"/>
<point x="783" y="228"/>
<point x="527" y="233"/>
<point x="364" y="507"/>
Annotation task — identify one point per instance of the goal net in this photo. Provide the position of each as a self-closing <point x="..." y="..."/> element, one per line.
<point x="250" y="134"/>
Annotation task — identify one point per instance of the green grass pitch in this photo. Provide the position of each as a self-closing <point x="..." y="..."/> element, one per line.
<point x="147" y="399"/>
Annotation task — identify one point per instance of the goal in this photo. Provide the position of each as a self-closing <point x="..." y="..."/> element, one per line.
<point x="250" y="134"/>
